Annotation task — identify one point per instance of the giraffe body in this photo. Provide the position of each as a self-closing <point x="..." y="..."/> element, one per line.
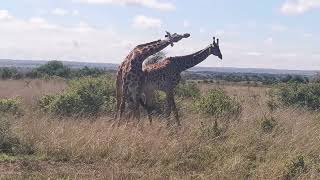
<point x="130" y="75"/>
<point x="165" y="75"/>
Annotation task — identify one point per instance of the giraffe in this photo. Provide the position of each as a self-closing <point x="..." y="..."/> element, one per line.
<point x="165" y="76"/>
<point x="130" y="75"/>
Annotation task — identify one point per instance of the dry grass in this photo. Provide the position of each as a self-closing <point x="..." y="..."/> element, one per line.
<point x="92" y="149"/>
<point x="30" y="90"/>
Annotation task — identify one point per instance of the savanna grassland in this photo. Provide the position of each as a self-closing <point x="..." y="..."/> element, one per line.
<point x="259" y="139"/>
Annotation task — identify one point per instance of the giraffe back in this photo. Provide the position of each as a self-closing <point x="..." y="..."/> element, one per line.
<point x="162" y="76"/>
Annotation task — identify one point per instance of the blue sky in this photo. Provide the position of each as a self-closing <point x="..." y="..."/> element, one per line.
<point x="282" y="34"/>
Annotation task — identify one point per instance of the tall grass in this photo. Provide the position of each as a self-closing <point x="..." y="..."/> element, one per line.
<point x="245" y="149"/>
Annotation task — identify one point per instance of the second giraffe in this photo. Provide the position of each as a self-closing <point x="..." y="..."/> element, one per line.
<point x="165" y="76"/>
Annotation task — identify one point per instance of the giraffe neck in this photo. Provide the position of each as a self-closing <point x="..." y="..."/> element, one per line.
<point x="152" y="48"/>
<point x="186" y="62"/>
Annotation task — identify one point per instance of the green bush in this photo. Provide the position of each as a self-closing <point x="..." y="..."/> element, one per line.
<point x="86" y="71"/>
<point x="10" y="106"/>
<point x="10" y="73"/>
<point x="156" y="58"/>
<point x="52" y="68"/>
<point x="209" y="131"/>
<point x="303" y="95"/>
<point x="45" y="102"/>
<point x="315" y="78"/>
<point x="84" y="97"/>
<point x="272" y="101"/>
<point x="295" y="168"/>
<point x="217" y="104"/>
<point x="187" y="90"/>
<point x="268" y="124"/>
<point x="9" y="141"/>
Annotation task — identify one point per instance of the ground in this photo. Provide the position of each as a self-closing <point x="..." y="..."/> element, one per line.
<point x="244" y="148"/>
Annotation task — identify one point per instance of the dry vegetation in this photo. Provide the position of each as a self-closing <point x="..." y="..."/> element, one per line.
<point x="261" y="144"/>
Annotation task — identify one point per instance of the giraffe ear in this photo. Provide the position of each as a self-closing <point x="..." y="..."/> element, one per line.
<point x="167" y="34"/>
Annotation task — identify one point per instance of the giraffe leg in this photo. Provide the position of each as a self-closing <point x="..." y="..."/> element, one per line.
<point x="118" y="105"/>
<point x="131" y="114"/>
<point x="122" y="108"/>
<point x="118" y="92"/>
<point x="175" y="111"/>
<point x="148" y="109"/>
<point x="147" y="105"/>
<point x="136" y="104"/>
<point x="173" y="107"/>
<point x="136" y="99"/>
<point x="168" y="108"/>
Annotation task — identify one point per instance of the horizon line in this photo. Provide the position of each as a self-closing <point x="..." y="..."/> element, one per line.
<point x="79" y="61"/>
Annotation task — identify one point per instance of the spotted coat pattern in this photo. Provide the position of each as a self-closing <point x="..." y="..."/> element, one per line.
<point x="165" y="75"/>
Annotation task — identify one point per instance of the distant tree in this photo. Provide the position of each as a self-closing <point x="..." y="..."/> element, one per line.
<point x="316" y="78"/>
<point x="286" y="79"/>
<point x="298" y="79"/>
<point x="155" y="58"/>
<point x="10" y="73"/>
<point x="86" y="71"/>
<point x="52" y="68"/>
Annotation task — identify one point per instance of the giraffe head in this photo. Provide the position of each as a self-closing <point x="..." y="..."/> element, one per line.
<point x="176" y="37"/>
<point x="215" y="49"/>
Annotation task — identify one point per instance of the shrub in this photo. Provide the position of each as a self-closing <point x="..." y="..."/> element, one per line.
<point x="295" y="168"/>
<point x="156" y="58"/>
<point x="303" y="95"/>
<point x="187" y="90"/>
<point x="84" y="97"/>
<point x="52" y="68"/>
<point x="86" y="71"/>
<point x="268" y="124"/>
<point x="217" y="104"/>
<point x="10" y="106"/>
<point x="272" y="102"/>
<point x="9" y="141"/>
<point x="10" y="73"/>
<point x="316" y="78"/>
<point x="209" y="131"/>
<point x="159" y="102"/>
<point x="45" y="102"/>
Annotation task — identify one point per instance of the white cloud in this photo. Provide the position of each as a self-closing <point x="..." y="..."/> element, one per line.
<point x="154" y="4"/>
<point x="219" y="32"/>
<point x="254" y="54"/>
<point x="186" y="24"/>
<point x="269" y="41"/>
<point x="307" y="35"/>
<point x="295" y="7"/>
<point x="285" y="55"/>
<point x="4" y="15"/>
<point x="83" y="27"/>
<point x="144" y="22"/>
<point x="75" y="13"/>
<point x="202" y="30"/>
<point x="315" y="56"/>
<point x="278" y="28"/>
<point x="38" y="22"/>
<point x="64" y="12"/>
<point x="59" y="12"/>
<point x="252" y="24"/>
<point x="37" y="38"/>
